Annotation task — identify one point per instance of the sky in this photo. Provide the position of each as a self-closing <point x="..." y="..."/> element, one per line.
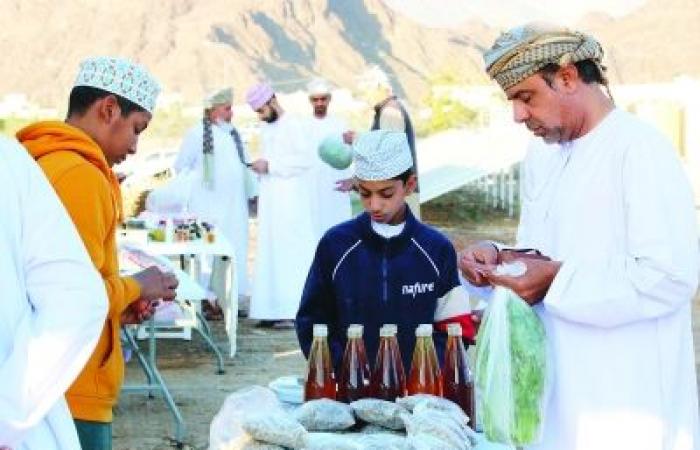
<point x="507" y="13"/>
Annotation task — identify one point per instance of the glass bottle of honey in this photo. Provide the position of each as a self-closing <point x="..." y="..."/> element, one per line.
<point x="320" y="378"/>
<point x="354" y="380"/>
<point x="388" y="377"/>
<point x="425" y="377"/>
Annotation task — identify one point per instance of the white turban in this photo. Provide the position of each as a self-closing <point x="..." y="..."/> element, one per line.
<point x="318" y="86"/>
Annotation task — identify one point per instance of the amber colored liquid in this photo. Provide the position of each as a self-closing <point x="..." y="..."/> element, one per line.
<point x="458" y="381"/>
<point x="425" y="377"/>
<point x="388" y="378"/>
<point x="354" y="374"/>
<point x="320" y="379"/>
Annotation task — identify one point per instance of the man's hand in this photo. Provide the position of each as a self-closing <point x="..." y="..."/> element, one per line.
<point x="260" y="166"/>
<point x="349" y="137"/>
<point x="533" y="285"/>
<point x="346" y="185"/>
<point x="510" y="255"/>
<point x="477" y="260"/>
<point x="138" y="312"/>
<point x="156" y="284"/>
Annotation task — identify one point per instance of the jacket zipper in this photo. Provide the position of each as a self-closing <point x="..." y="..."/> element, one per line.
<point x="384" y="275"/>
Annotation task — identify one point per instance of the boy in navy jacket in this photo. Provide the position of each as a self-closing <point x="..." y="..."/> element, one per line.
<point x="384" y="266"/>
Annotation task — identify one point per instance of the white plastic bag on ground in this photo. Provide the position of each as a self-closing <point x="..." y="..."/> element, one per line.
<point x="442" y="424"/>
<point x="226" y="430"/>
<point x="425" y="442"/>
<point x="257" y="445"/>
<point x="279" y="428"/>
<point x="335" y="441"/>
<point x="371" y="428"/>
<point x="434" y="402"/>
<point x="381" y="441"/>
<point x="439" y="425"/>
<point x="379" y="412"/>
<point x="511" y="370"/>
<point x="325" y="415"/>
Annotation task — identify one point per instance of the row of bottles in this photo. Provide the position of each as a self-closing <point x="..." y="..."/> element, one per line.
<point x="182" y="230"/>
<point x="388" y="381"/>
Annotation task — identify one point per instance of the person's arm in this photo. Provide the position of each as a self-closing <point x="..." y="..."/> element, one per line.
<point x="657" y="274"/>
<point x="390" y="118"/>
<point x="246" y="153"/>
<point x="453" y="304"/>
<point x="66" y="311"/>
<point x="482" y="257"/>
<point x="318" y="306"/>
<point x="86" y="196"/>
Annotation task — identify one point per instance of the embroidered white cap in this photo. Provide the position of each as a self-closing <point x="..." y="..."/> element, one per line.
<point x="120" y="77"/>
<point x="381" y="155"/>
<point x="318" y="86"/>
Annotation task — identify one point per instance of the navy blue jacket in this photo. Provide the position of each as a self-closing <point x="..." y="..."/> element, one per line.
<point x="358" y="276"/>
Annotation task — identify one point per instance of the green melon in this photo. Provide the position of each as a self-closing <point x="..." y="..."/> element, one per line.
<point x="336" y="153"/>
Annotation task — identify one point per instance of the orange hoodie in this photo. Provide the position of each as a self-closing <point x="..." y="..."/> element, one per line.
<point x="78" y="171"/>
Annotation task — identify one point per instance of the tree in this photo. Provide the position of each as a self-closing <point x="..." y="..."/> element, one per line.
<point x="443" y="111"/>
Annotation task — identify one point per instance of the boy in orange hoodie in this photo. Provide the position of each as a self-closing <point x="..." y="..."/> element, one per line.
<point x="110" y="104"/>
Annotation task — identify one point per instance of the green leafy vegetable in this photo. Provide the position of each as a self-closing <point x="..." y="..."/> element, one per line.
<point x="511" y="370"/>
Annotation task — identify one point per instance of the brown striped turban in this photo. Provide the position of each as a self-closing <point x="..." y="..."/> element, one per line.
<point x="523" y="51"/>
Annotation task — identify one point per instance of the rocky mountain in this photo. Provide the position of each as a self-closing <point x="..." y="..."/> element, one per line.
<point x="196" y="46"/>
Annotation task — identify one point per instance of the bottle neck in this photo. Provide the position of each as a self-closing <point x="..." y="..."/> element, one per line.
<point x="454" y="341"/>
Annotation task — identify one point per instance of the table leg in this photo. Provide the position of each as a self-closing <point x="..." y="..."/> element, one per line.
<point x="145" y="365"/>
<point x="205" y="332"/>
<point x="155" y="380"/>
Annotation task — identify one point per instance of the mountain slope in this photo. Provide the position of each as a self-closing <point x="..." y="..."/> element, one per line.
<point x="196" y="46"/>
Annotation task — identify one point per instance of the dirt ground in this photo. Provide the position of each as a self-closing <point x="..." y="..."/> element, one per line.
<point x="188" y="368"/>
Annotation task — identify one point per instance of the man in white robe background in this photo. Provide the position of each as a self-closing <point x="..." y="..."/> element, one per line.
<point x="213" y="154"/>
<point x="332" y="185"/>
<point x="389" y="113"/>
<point x="605" y="199"/>
<point x="286" y="234"/>
<point x="53" y="307"/>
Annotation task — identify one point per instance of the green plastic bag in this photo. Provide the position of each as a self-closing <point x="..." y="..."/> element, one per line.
<point x="511" y="370"/>
<point x="336" y="153"/>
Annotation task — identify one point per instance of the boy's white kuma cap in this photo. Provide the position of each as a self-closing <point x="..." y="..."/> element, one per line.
<point x="381" y="155"/>
<point x="121" y="77"/>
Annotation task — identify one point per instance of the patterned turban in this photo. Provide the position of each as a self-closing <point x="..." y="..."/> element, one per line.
<point x="220" y="97"/>
<point x="523" y="51"/>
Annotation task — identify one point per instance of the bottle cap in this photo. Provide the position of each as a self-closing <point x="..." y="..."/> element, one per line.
<point x="424" y="329"/>
<point x="388" y="330"/>
<point x="355" y="331"/>
<point x="320" y="330"/>
<point x="454" y="329"/>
